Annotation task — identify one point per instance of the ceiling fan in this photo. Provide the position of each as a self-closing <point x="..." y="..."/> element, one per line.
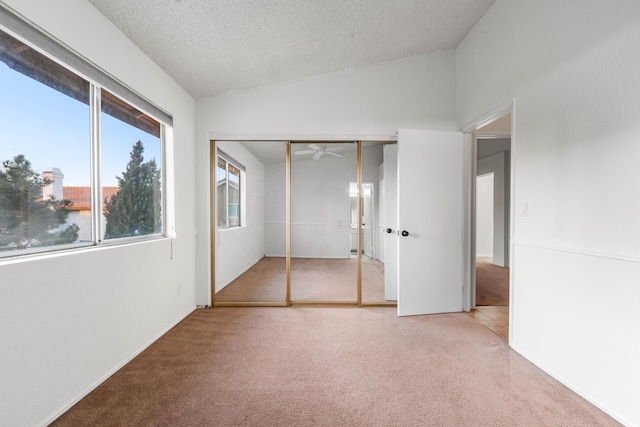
<point x="319" y="151"/>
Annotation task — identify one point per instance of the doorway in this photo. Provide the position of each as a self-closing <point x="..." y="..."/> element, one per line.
<point x="492" y="225"/>
<point x="369" y="212"/>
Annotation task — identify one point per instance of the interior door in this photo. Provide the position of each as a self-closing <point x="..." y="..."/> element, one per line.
<point x="431" y="170"/>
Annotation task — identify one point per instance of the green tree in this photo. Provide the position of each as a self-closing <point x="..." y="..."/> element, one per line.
<point x="135" y="209"/>
<point x="26" y="220"/>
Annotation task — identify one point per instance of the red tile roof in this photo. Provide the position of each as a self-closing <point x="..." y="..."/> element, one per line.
<point x="81" y="196"/>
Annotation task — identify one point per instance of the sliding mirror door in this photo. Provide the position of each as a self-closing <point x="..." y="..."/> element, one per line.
<point x="378" y="202"/>
<point x="323" y="228"/>
<point x="250" y="222"/>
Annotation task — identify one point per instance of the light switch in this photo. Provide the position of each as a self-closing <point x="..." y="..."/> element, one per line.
<point x="522" y="208"/>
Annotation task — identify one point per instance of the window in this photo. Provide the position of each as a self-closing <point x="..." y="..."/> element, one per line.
<point x="50" y="149"/>
<point x="131" y="161"/>
<point x="229" y="192"/>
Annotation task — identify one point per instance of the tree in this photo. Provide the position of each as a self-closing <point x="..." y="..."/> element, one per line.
<point x="135" y="209"/>
<point x="26" y="220"/>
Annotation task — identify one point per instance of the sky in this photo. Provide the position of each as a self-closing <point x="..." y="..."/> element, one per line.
<point x="52" y="130"/>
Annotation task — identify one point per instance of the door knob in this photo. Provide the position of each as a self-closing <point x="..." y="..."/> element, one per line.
<point x="405" y="233"/>
<point x="389" y="231"/>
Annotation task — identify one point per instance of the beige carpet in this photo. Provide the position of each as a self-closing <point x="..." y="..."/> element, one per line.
<point x="312" y="279"/>
<point x="330" y="367"/>
<point x="492" y="283"/>
<point x="265" y="281"/>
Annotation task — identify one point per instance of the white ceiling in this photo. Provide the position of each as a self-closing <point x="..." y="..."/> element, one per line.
<point x="215" y="46"/>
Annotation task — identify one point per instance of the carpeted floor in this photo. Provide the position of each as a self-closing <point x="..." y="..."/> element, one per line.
<point x="492" y="283"/>
<point x="312" y="279"/>
<point x="330" y="367"/>
<point x="317" y="279"/>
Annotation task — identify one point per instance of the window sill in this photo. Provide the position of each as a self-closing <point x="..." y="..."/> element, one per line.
<point x="224" y="230"/>
<point x="70" y="250"/>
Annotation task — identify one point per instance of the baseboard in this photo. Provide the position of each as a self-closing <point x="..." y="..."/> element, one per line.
<point x="569" y="384"/>
<point x="72" y="400"/>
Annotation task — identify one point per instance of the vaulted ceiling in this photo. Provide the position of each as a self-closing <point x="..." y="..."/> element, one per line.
<point x="215" y="46"/>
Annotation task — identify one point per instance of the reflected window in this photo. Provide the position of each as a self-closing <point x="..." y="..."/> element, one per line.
<point x="229" y="192"/>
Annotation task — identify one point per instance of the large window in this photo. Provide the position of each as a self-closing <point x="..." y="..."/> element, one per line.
<point x="79" y="165"/>
<point x="229" y="192"/>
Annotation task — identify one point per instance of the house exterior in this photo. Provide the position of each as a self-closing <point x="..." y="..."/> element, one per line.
<point x="80" y="198"/>
<point x="570" y="70"/>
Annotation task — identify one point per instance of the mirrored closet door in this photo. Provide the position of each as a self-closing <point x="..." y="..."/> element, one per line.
<point x="250" y="222"/>
<point x="303" y="223"/>
<point x="323" y="228"/>
<point x="375" y="224"/>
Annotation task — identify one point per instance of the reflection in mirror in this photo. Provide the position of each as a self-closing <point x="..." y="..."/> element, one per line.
<point x="323" y="267"/>
<point x="353" y="204"/>
<point x="250" y="250"/>
<point x="374" y="238"/>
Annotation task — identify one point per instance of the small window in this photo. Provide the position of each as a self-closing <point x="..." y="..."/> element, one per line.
<point x="229" y="193"/>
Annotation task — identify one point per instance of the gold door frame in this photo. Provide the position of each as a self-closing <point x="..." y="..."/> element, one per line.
<point x="288" y="302"/>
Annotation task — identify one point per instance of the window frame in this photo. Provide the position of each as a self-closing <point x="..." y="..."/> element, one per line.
<point x="46" y="45"/>
<point x="100" y="227"/>
<point x="221" y="155"/>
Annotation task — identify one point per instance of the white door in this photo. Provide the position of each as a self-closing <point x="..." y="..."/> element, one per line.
<point x="430" y="221"/>
<point x="390" y="173"/>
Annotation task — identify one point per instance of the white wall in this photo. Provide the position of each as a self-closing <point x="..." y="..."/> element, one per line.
<point x="498" y="165"/>
<point x="484" y="215"/>
<point x="572" y="68"/>
<point x="319" y="207"/>
<point x="320" y="203"/>
<point x="372" y="171"/>
<point x="238" y="248"/>
<point x="68" y="321"/>
<point x="275" y="210"/>
<point x="413" y="93"/>
<point x="320" y="210"/>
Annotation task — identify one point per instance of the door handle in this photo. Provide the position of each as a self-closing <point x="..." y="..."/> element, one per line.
<point x="405" y="233"/>
<point x="389" y="231"/>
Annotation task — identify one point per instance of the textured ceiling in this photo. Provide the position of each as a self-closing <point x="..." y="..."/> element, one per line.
<point x="215" y="46"/>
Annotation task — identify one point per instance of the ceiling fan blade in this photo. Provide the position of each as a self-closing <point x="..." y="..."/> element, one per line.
<point x="306" y="152"/>
<point x="314" y="147"/>
<point x="332" y="154"/>
<point x="317" y="155"/>
<point x="333" y="149"/>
